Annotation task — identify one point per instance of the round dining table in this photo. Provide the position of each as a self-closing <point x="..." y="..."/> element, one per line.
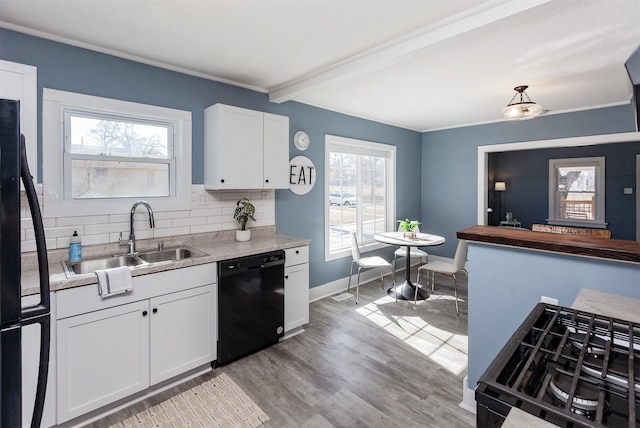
<point x="407" y="290"/>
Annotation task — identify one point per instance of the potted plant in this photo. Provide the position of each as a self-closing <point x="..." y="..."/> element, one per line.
<point x="407" y="227"/>
<point x="243" y="213"/>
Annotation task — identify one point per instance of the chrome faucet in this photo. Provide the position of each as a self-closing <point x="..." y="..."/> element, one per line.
<point x="131" y="242"/>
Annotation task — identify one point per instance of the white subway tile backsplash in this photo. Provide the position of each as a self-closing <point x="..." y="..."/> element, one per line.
<point x="194" y="221"/>
<point x="73" y="221"/>
<point x="212" y="212"/>
<point x="161" y="233"/>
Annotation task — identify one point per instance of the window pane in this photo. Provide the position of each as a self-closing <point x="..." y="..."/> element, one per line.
<point x="576" y="192"/>
<point x="118" y="137"/>
<point x="342" y="200"/>
<point x="357" y="190"/>
<point x="373" y="196"/>
<point x="106" y="179"/>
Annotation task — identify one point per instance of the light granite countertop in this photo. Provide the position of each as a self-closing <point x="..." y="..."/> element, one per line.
<point x="218" y="246"/>
<point x="608" y="304"/>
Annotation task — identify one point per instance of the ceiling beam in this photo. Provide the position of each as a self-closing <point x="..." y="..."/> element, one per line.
<point x="388" y="53"/>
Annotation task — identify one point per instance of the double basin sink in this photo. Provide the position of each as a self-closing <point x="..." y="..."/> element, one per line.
<point x="89" y="266"/>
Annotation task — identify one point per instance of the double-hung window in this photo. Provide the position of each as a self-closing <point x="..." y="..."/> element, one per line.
<point x="359" y="193"/>
<point x="576" y="192"/>
<point x="100" y="155"/>
<point x="109" y="156"/>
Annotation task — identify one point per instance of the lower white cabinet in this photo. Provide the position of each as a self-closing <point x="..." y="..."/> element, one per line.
<point x="102" y="356"/>
<point x="176" y="319"/>
<point x="296" y="288"/>
<point x="139" y="339"/>
<point x="30" y="364"/>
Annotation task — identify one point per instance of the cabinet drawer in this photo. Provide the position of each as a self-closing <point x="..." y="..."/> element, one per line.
<point x="296" y="256"/>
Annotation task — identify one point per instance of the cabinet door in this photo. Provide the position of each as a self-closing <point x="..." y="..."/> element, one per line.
<point x="183" y="329"/>
<point x="276" y="151"/>
<point x="102" y="356"/>
<point x="296" y="296"/>
<point x="30" y="365"/>
<point x="233" y="148"/>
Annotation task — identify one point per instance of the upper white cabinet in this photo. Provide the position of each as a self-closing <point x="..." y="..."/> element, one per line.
<point x="245" y="149"/>
<point x="19" y="82"/>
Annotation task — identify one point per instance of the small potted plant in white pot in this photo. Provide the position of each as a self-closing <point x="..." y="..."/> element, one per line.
<point x="243" y="213"/>
<point x="408" y="226"/>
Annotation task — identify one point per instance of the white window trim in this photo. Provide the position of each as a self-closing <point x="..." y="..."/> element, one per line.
<point x="330" y="142"/>
<point x="53" y="104"/>
<point x="599" y="164"/>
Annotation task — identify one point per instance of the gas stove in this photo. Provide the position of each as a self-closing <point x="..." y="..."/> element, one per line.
<point x="568" y="367"/>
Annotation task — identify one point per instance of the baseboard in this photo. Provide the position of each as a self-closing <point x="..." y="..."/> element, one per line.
<point x="468" y="397"/>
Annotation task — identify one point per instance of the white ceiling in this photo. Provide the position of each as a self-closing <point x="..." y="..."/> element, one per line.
<point x="417" y="64"/>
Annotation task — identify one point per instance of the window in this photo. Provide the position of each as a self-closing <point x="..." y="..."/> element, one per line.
<point x="359" y="193"/>
<point x="100" y="155"/>
<point x="123" y="152"/>
<point x="576" y="192"/>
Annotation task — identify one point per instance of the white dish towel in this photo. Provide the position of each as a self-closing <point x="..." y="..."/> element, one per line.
<point x="114" y="281"/>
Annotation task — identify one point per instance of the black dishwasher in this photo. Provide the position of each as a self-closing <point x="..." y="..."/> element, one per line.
<point x="250" y="305"/>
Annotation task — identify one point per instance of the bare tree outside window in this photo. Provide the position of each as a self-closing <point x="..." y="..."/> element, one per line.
<point x="126" y="152"/>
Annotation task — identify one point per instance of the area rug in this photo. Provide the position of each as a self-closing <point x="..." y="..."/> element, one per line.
<point x="218" y="402"/>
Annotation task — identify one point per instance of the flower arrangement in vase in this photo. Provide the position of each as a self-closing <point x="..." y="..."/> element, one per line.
<point x="407" y="226"/>
<point x="243" y="213"/>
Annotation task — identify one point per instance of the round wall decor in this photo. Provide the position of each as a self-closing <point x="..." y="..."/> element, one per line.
<point x="302" y="175"/>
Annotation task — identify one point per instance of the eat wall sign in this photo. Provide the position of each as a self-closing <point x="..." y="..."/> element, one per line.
<point x="302" y="175"/>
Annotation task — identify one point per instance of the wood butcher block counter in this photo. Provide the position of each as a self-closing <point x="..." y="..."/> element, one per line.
<point x="614" y="249"/>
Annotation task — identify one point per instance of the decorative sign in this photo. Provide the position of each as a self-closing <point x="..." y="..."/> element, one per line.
<point x="302" y="175"/>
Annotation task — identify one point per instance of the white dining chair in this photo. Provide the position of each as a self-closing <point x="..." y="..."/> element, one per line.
<point x="459" y="259"/>
<point x="413" y="251"/>
<point x="366" y="263"/>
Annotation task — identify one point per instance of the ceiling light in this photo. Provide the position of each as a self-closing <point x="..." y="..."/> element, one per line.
<point x="522" y="108"/>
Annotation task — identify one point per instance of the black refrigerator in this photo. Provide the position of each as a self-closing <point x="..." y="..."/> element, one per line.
<point x="13" y="317"/>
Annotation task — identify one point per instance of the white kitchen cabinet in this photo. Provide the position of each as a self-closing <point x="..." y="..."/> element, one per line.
<point x="276" y="152"/>
<point x="30" y="364"/>
<point x="296" y="288"/>
<point x="245" y="149"/>
<point x="108" y="349"/>
<point x="176" y="319"/>
<point x="103" y="356"/>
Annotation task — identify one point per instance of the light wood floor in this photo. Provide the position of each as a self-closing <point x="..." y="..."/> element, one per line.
<point x="375" y="364"/>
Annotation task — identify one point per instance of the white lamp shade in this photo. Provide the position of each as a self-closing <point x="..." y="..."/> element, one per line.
<point x="500" y="186"/>
<point x="521" y="111"/>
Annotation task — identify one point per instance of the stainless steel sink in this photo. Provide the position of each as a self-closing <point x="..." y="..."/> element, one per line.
<point x="88" y="266"/>
<point x="170" y="255"/>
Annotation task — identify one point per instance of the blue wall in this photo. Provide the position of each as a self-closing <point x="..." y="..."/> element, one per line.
<point x="450" y="161"/>
<point x="527" y="178"/>
<point x="69" y="68"/>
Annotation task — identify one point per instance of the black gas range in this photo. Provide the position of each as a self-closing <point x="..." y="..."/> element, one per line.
<point x="568" y="367"/>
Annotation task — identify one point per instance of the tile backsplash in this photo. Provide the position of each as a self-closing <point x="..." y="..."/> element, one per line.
<point x="211" y="211"/>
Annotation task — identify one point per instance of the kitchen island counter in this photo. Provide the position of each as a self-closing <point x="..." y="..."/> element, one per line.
<point x="614" y="249"/>
<point x="218" y="246"/>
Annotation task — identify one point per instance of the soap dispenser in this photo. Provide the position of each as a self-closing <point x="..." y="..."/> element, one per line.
<point x="75" y="248"/>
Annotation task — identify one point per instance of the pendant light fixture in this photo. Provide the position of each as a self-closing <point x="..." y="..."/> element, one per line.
<point x="521" y="107"/>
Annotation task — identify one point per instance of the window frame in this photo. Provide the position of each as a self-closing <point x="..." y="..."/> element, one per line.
<point x="599" y="202"/>
<point x="55" y="175"/>
<point x="360" y="147"/>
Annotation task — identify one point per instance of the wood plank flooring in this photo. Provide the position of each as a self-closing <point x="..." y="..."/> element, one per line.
<point x="375" y="364"/>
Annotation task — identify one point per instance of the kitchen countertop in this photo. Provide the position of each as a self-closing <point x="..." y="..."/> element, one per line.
<point x="218" y="246"/>
<point x="608" y="304"/>
<point x="612" y="249"/>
